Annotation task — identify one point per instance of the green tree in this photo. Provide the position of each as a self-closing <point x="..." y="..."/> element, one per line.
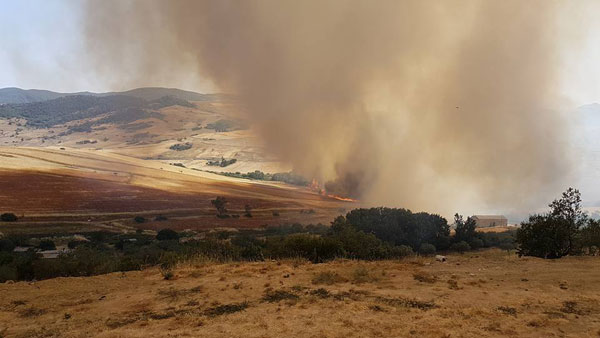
<point x="465" y="230"/>
<point x="554" y="234"/>
<point x="220" y="204"/>
<point x="461" y="246"/>
<point x="248" y="210"/>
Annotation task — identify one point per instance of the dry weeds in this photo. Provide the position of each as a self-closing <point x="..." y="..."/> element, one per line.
<point x="337" y="299"/>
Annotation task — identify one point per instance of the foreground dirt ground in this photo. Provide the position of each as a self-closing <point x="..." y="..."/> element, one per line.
<point x="487" y="293"/>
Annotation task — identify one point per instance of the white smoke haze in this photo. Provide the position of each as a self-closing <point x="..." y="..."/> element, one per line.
<point x="432" y="105"/>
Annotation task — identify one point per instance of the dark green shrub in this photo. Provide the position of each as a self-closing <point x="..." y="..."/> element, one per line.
<point x="226" y="309"/>
<point x="167" y="234"/>
<point x="74" y="244"/>
<point x="427" y="249"/>
<point x="476" y="243"/>
<point x="6" y="245"/>
<point x="248" y="210"/>
<point x="220" y="203"/>
<point x="403" y="251"/>
<point x="508" y="245"/>
<point x="314" y="248"/>
<point x="8" y="272"/>
<point x="139" y="219"/>
<point x="357" y="244"/>
<point x="279" y="295"/>
<point x="47" y="244"/>
<point x="461" y="246"/>
<point x="8" y="217"/>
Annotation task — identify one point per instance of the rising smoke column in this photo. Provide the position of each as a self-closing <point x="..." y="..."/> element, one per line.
<point x="430" y="105"/>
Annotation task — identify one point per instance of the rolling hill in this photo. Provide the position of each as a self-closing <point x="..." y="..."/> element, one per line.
<point x="12" y="95"/>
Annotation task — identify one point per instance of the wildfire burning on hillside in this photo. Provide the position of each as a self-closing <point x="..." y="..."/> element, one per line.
<point x="321" y="190"/>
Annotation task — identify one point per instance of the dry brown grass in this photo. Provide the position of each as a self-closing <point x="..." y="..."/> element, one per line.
<point x="495" y="295"/>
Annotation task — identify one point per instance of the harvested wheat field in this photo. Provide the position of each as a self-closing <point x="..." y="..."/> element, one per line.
<point x="46" y="186"/>
<point x="486" y="293"/>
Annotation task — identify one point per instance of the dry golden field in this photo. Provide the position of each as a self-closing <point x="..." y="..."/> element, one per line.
<point x="102" y="190"/>
<point x="479" y="294"/>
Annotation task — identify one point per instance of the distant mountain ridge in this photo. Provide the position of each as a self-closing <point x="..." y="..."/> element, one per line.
<point x="13" y="95"/>
<point x="49" y="113"/>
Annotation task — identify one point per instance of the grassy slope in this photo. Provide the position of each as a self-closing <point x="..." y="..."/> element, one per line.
<point x="549" y="298"/>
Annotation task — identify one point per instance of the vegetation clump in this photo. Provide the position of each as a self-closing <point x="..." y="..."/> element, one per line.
<point x="8" y="217"/>
<point x="279" y="295"/>
<point x="424" y="277"/>
<point x="220" y="203"/>
<point x="408" y="302"/>
<point x="167" y="235"/>
<point x="222" y="163"/>
<point x="427" y="249"/>
<point x="222" y="125"/>
<point x="226" y="309"/>
<point x="181" y="146"/>
<point x="286" y="177"/>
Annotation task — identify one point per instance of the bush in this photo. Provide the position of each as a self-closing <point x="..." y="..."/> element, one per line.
<point x="248" y="210"/>
<point x="6" y="245"/>
<point x="461" y="246"/>
<point x="8" y="217"/>
<point x="404" y="251"/>
<point x="317" y="249"/>
<point x="47" y="244"/>
<point x="220" y="203"/>
<point x="476" y="243"/>
<point x="166" y="273"/>
<point x="167" y="234"/>
<point x="357" y="244"/>
<point x="507" y="245"/>
<point x="139" y="219"/>
<point x="181" y="146"/>
<point x="427" y="249"/>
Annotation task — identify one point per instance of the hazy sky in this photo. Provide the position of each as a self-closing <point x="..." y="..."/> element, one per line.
<point x="42" y="46"/>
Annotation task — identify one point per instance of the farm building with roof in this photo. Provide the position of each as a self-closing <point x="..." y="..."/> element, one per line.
<point x="487" y="221"/>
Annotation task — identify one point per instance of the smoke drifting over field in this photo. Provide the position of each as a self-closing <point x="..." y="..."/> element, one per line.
<point x="436" y="105"/>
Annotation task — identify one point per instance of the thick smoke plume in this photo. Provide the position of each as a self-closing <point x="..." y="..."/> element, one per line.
<point x="431" y="105"/>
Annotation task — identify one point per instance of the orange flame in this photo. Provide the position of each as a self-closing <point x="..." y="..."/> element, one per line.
<point x="340" y="198"/>
<point x="318" y="188"/>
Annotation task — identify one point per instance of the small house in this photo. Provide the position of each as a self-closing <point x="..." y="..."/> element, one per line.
<point x="488" y="221"/>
